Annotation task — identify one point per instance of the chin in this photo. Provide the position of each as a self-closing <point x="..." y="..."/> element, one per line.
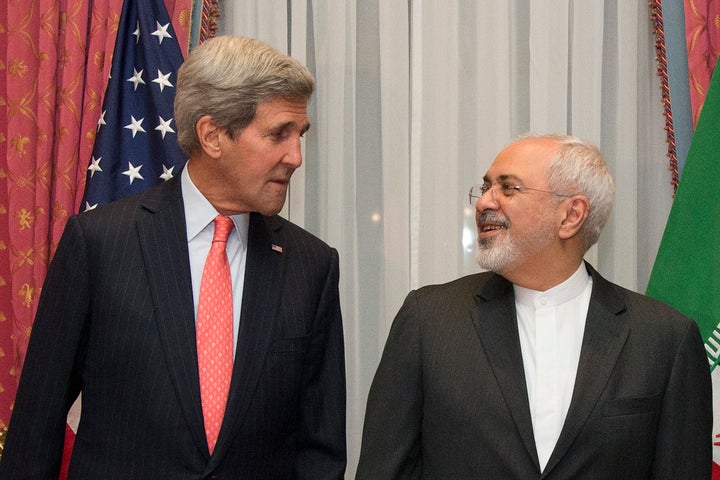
<point x="497" y="258"/>
<point x="271" y="210"/>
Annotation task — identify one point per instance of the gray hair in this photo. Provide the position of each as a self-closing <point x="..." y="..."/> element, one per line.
<point x="226" y="77"/>
<point x="578" y="167"/>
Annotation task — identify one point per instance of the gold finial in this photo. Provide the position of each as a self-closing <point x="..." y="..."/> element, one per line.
<point x="3" y="434"/>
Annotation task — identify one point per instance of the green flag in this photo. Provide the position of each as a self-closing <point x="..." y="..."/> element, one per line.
<point x="686" y="274"/>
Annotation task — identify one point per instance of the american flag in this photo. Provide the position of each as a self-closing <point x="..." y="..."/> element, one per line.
<point x="136" y="145"/>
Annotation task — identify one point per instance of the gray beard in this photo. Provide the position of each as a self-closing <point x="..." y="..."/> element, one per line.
<point x="500" y="252"/>
<point x="496" y="253"/>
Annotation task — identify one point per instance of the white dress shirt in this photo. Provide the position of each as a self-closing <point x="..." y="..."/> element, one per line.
<point x="551" y="326"/>
<point x="199" y="216"/>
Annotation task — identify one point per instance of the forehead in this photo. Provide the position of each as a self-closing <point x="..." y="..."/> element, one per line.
<point x="525" y="160"/>
<point x="277" y="109"/>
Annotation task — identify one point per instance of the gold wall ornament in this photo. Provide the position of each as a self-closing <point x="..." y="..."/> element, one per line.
<point x="19" y="143"/>
<point x="59" y="211"/>
<point x="37" y="255"/>
<point x="25" y="257"/>
<point x="25" y="219"/>
<point x="17" y="67"/>
<point x="26" y="292"/>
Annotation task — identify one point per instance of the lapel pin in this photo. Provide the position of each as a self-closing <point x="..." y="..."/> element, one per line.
<point x="277" y="248"/>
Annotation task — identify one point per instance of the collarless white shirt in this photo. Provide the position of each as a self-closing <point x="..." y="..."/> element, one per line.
<point x="551" y="326"/>
<point x="199" y="216"/>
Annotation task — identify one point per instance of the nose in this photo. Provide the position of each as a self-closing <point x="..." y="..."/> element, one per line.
<point x="486" y="201"/>
<point x="293" y="157"/>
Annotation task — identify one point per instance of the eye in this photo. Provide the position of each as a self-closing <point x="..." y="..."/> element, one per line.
<point x="279" y="135"/>
<point x="508" y="189"/>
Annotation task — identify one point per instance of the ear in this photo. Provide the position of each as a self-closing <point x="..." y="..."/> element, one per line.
<point x="575" y="212"/>
<point x="209" y="135"/>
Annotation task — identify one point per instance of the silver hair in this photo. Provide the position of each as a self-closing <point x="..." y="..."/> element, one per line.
<point x="578" y="167"/>
<point x="226" y="77"/>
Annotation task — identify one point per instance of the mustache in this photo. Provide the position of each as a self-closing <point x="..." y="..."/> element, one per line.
<point x="492" y="217"/>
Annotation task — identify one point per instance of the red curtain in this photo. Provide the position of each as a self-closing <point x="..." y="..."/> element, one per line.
<point x="55" y="57"/>
<point x="702" y="33"/>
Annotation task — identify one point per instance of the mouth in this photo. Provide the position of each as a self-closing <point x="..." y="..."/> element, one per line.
<point x="281" y="181"/>
<point x="489" y="225"/>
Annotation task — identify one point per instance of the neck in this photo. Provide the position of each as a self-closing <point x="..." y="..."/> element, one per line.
<point x="542" y="276"/>
<point x="211" y="184"/>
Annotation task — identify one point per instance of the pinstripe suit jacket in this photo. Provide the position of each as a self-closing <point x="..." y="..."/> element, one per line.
<point x="116" y="321"/>
<point x="449" y="399"/>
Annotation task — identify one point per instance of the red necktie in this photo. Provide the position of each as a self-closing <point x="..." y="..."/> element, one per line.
<point x="215" y="331"/>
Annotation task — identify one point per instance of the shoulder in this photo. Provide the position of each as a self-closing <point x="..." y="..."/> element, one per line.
<point x="459" y="294"/>
<point x="468" y="284"/>
<point x="124" y="210"/>
<point x="642" y="313"/>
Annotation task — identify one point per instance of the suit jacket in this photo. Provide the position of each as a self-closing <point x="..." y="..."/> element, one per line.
<point x="116" y="320"/>
<point x="449" y="399"/>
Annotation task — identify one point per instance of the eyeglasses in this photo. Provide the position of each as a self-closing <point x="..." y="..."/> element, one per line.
<point x="508" y="190"/>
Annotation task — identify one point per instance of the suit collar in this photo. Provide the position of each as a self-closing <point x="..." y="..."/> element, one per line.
<point x="163" y="242"/>
<point x="264" y="273"/>
<point x="603" y="341"/>
<point x="496" y="324"/>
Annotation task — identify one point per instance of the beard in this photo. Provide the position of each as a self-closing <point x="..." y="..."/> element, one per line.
<point x="504" y="250"/>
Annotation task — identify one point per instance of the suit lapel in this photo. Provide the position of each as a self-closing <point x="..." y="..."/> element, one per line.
<point x="261" y="300"/>
<point x="602" y="344"/>
<point x="496" y="325"/>
<point x="163" y="241"/>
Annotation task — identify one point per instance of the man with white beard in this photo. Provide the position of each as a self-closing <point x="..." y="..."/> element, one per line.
<point x="540" y="368"/>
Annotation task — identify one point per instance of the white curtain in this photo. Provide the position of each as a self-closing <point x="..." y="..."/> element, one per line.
<point x="415" y="98"/>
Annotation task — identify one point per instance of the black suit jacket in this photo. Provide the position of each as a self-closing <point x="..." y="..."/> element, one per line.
<point x="116" y="320"/>
<point x="449" y="399"/>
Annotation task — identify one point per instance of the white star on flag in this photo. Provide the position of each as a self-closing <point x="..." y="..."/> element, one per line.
<point x="101" y="120"/>
<point x="164" y="127"/>
<point x="167" y="173"/>
<point x="133" y="172"/>
<point x="161" y="32"/>
<point x="135" y="125"/>
<point x="136" y="78"/>
<point x="162" y="80"/>
<point x="94" y="166"/>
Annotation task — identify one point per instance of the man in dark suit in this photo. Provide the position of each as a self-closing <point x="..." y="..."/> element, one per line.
<point x="117" y="316"/>
<point x="542" y="369"/>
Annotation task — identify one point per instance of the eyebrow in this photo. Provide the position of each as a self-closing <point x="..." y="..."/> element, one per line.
<point x="504" y="178"/>
<point x="285" y="125"/>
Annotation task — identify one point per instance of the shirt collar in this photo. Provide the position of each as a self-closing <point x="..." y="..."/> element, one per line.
<point x="199" y="212"/>
<point x="559" y="294"/>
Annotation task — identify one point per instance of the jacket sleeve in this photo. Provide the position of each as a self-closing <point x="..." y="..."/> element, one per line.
<point x="684" y="439"/>
<point x="51" y="374"/>
<point x="391" y="441"/>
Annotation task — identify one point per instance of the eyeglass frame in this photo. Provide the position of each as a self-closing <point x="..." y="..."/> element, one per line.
<point x="506" y="186"/>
